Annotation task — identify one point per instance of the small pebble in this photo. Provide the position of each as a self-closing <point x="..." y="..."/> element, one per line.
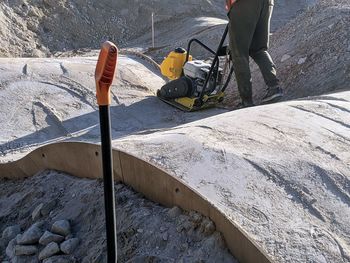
<point x="49" y="237"/>
<point x="61" y="227"/>
<point x="25" y="250"/>
<point x="68" y="247"/>
<point x="196" y="217"/>
<point x="69" y="237"/>
<point x="10" y="249"/>
<point x="31" y="236"/>
<point x="10" y="232"/>
<point x="50" y="250"/>
<point x="207" y="227"/>
<point x="57" y="259"/>
<point x="285" y="57"/>
<point x="25" y="259"/>
<point x="165" y="236"/>
<point x="174" y="212"/>
<point x="36" y="214"/>
<point x="302" y="60"/>
<point x="47" y="207"/>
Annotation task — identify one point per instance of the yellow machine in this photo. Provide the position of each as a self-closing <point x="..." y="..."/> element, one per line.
<point x="194" y="84"/>
<point x="172" y="65"/>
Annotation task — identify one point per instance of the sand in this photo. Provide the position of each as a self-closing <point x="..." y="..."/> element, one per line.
<point x="40" y="29"/>
<point x="283" y="169"/>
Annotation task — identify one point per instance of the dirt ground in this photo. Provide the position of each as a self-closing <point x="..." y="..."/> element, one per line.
<point x="53" y="99"/>
<point x="41" y="28"/>
<point x="147" y="232"/>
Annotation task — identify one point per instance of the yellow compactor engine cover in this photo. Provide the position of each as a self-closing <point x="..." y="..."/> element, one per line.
<point x="172" y="65"/>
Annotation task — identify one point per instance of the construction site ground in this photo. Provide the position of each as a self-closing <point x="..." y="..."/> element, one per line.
<point x="279" y="173"/>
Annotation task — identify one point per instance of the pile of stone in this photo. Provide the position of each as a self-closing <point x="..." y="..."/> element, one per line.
<point x="147" y="232"/>
<point x="38" y="244"/>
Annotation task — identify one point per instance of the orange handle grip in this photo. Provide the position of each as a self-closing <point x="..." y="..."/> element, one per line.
<point x="105" y="71"/>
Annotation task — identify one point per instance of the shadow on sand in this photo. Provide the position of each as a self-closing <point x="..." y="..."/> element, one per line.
<point x="140" y="117"/>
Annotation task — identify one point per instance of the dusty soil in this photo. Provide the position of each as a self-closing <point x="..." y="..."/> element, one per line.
<point x="40" y="28"/>
<point x="312" y="54"/>
<point x="318" y="44"/>
<point x="147" y="232"/>
<point x="53" y="100"/>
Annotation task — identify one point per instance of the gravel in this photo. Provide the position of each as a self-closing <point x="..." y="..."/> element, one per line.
<point x="146" y="230"/>
<point x="61" y="227"/>
<point x="50" y="250"/>
<point x="49" y="237"/>
<point x="10" y="233"/>
<point x="31" y="236"/>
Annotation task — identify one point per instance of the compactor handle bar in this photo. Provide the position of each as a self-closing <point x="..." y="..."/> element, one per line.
<point x="201" y="44"/>
<point x="215" y="61"/>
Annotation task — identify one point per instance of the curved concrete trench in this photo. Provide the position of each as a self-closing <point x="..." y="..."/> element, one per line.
<point x="83" y="160"/>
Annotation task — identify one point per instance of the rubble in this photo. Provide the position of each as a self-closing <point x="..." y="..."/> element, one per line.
<point x="61" y="227"/>
<point x="50" y="250"/>
<point x="142" y="225"/>
<point x="49" y="237"/>
<point x="10" y="232"/>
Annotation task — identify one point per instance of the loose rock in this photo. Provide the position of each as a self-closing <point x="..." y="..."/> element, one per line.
<point x="10" y="249"/>
<point x="57" y="259"/>
<point x="25" y="259"/>
<point x="25" y="250"/>
<point x="174" y="212"/>
<point x="36" y="214"/>
<point x="285" y="57"/>
<point x="18" y="237"/>
<point x="31" y="236"/>
<point x="302" y="61"/>
<point x="69" y="237"/>
<point x="165" y="236"/>
<point x="207" y="227"/>
<point x="47" y="207"/>
<point x="195" y="218"/>
<point x="50" y="250"/>
<point x="69" y="246"/>
<point x="10" y="232"/>
<point x="49" y="237"/>
<point x="61" y="227"/>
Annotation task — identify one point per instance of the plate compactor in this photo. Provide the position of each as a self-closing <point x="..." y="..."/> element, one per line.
<point x="195" y="84"/>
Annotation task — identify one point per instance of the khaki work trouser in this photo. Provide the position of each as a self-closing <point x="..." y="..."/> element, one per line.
<point x="249" y="30"/>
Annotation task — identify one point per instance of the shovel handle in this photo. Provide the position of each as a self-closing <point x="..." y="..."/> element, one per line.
<point x="105" y="72"/>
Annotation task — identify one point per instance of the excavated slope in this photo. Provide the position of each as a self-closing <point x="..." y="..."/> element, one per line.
<point x="312" y="54"/>
<point x="40" y="28"/>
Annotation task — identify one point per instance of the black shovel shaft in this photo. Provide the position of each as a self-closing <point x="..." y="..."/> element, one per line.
<point x="108" y="181"/>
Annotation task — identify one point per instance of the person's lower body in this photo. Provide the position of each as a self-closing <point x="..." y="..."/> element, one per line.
<point x="249" y="30"/>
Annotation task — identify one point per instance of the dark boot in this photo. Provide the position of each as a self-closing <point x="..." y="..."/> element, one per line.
<point x="245" y="104"/>
<point x="273" y="94"/>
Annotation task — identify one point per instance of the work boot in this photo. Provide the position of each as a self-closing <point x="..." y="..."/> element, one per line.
<point x="244" y="104"/>
<point x="273" y="94"/>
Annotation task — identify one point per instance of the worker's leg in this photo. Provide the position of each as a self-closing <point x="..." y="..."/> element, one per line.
<point x="243" y="18"/>
<point x="259" y="46"/>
